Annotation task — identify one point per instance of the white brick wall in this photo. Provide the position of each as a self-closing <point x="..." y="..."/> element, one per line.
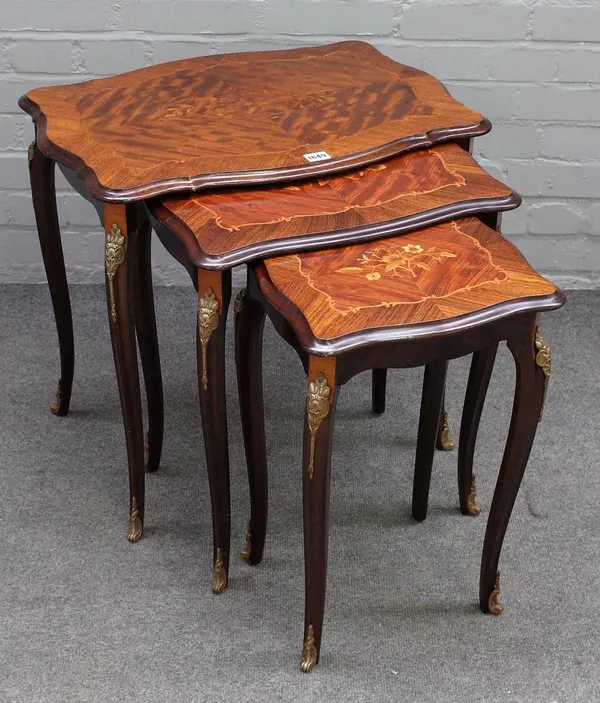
<point x="532" y="66"/>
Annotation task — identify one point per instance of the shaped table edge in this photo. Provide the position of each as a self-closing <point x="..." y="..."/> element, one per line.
<point x="264" y="177"/>
<point x="315" y="346"/>
<point x="163" y="218"/>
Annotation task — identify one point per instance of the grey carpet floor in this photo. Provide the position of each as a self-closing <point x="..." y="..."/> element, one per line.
<point x="85" y="616"/>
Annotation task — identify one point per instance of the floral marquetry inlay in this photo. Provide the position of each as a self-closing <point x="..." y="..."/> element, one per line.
<point x="395" y="260"/>
<point x="402" y="270"/>
<point x="439" y="273"/>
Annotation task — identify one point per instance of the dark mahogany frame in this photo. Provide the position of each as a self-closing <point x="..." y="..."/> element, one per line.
<point x="431" y="345"/>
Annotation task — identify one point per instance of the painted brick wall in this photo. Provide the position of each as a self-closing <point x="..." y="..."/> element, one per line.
<point x="531" y="66"/>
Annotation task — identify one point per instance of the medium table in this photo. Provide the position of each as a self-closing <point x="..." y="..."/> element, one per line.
<point x="210" y="233"/>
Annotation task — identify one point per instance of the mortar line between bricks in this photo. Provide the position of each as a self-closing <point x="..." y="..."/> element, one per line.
<point x="200" y="37"/>
<point x="545" y="160"/>
<point x="137" y="35"/>
<point x="489" y="84"/>
<point x="568" y="85"/>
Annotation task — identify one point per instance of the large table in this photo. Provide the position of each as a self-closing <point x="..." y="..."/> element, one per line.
<point x="259" y="118"/>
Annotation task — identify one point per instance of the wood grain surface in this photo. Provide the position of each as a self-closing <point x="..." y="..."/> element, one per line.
<point x="243" y="118"/>
<point x="413" y="190"/>
<point x="444" y="272"/>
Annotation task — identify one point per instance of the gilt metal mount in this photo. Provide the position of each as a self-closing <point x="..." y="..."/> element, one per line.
<point x="135" y="523"/>
<point x="317" y="409"/>
<point x="309" y="651"/>
<point x="115" y="256"/>
<point x="55" y="407"/>
<point x="494" y="606"/>
<point x="247" y="550"/>
<point x="239" y="301"/>
<point x="445" y="442"/>
<point x="472" y="507"/>
<point x="219" y="578"/>
<point x="208" y="321"/>
<point x="543" y="359"/>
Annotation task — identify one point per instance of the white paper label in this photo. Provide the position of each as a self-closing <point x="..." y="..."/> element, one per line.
<point x="317" y="156"/>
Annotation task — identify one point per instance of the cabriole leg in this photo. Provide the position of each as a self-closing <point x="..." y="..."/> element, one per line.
<point x="249" y="324"/>
<point x="41" y="171"/>
<point x="432" y="400"/>
<point x="482" y="366"/>
<point x="120" y="223"/>
<point x="214" y="293"/>
<point x="532" y="361"/>
<point x="316" y="472"/>
<point x="145" y="327"/>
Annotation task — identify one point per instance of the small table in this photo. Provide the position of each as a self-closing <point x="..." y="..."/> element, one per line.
<point x="210" y="233"/>
<point x="420" y="299"/>
<point x="232" y="120"/>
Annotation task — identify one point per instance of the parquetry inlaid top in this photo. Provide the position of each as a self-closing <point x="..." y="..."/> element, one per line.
<point x="435" y="274"/>
<point x="405" y="192"/>
<point x="240" y="118"/>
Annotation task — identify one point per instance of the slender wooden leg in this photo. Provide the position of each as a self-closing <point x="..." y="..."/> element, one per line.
<point x="145" y="326"/>
<point x="316" y="472"/>
<point x="444" y="443"/>
<point x="431" y="402"/>
<point x="120" y="223"/>
<point x="532" y="360"/>
<point x="479" y="380"/>
<point x="214" y="293"/>
<point x="249" y="323"/>
<point x="41" y="171"/>
<point x="379" y="382"/>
